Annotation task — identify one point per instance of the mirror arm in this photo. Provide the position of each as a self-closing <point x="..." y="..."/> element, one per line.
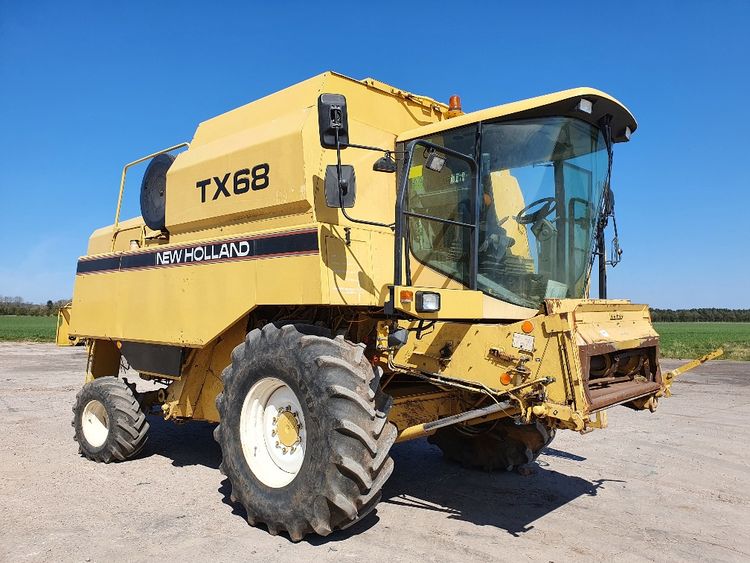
<point x="369" y="148"/>
<point x="386" y="163"/>
<point x="343" y="188"/>
<point x="601" y="254"/>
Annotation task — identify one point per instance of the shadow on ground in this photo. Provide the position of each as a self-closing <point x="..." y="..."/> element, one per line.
<point x="422" y="480"/>
<point x="191" y="443"/>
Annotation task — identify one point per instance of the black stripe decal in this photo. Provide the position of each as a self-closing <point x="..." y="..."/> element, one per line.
<point x="305" y="242"/>
<point x="87" y="266"/>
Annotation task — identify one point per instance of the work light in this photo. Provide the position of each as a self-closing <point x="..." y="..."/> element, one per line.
<point x="584" y="105"/>
<point x="434" y="161"/>
<point x="427" y="302"/>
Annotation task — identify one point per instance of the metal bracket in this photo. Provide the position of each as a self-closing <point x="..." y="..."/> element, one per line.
<point x="116" y="225"/>
<point x="556" y="324"/>
<point x="669" y="377"/>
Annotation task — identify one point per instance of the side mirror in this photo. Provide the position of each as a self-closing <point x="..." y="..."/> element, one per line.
<point x="340" y="181"/>
<point x="333" y="121"/>
<point x="340" y="186"/>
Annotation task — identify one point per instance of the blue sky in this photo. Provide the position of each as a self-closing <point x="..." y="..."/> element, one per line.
<point x="86" y="87"/>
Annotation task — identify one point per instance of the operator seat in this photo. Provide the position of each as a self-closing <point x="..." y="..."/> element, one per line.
<point x="508" y="201"/>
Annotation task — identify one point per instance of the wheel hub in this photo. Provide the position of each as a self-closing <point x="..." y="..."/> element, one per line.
<point x="287" y="428"/>
<point x="272" y="432"/>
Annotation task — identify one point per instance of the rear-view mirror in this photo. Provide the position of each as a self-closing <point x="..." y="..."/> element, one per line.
<point x="333" y="121"/>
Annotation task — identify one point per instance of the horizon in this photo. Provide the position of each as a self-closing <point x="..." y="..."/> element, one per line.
<point x="89" y="90"/>
<point x="8" y="298"/>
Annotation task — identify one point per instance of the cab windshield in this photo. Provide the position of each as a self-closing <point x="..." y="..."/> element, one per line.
<point x="540" y="189"/>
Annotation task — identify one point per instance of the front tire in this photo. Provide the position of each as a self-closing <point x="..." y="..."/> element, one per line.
<point x="108" y="421"/>
<point x="499" y="445"/>
<point x="304" y="432"/>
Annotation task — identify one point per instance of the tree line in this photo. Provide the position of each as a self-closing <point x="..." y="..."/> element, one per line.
<point x="17" y="306"/>
<point x="704" y="315"/>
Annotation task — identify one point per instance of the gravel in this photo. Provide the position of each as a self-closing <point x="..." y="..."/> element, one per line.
<point x="673" y="485"/>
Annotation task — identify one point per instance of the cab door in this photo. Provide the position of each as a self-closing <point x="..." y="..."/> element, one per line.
<point x="437" y="218"/>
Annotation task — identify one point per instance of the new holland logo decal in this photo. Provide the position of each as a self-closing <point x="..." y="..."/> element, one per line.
<point x="224" y="250"/>
<point x="285" y="244"/>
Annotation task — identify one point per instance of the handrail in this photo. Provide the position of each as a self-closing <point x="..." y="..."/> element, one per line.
<point x="122" y="184"/>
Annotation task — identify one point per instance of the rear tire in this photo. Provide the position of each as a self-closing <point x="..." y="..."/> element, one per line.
<point x="330" y="472"/>
<point x="501" y="445"/>
<point x="108" y="421"/>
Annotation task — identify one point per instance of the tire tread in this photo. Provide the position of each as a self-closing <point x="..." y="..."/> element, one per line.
<point x="128" y="423"/>
<point x="360" y="434"/>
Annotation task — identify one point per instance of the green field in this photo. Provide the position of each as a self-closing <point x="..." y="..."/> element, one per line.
<point x="692" y="340"/>
<point x="35" y="329"/>
<point x="678" y="340"/>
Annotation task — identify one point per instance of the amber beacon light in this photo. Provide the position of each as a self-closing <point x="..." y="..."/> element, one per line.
<point x="454" y="107"/>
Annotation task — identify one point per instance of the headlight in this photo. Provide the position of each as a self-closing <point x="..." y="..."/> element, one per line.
<point x="427" y="302"/>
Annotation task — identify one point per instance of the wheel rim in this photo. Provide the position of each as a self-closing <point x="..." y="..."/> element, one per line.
<point x="272" y="432"/>
<point x="95" y="423"/>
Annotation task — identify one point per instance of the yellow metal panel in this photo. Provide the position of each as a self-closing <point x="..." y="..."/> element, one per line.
<point x="372" y="102"/>
<point x="100" y="241"/>
<point x="461" y="303"/>
<point x="103" y="359"/>
<point x="188" y="304"/>
<point x="390" y="111"/>
<point x="349" y="266"/>
<point x="246" y="225"/>
<point x="424" y="276"/>
<point x="454" y="303"/>
<point x="427" y="103"/>
<point x="482" y="353"/>
<point x="194" y="395"/>
<point x="626" y="324"/>
<point x="375" y="191"/>
<point x="267" y="109"/>
<point x="62" y="334"/>
<point x="241" y="175"/>
<point x="496" y="309"/>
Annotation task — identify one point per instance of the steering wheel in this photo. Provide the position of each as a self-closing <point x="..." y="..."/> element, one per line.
<point x="525" y="216"/>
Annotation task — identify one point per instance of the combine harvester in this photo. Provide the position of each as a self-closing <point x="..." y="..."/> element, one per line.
<point x="343" y="265"/>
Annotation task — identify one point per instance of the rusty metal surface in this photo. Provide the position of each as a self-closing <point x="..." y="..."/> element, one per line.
<point x="647" y="380"/>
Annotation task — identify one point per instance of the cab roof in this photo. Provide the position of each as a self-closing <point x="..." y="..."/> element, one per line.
<point x="562" y="103"/>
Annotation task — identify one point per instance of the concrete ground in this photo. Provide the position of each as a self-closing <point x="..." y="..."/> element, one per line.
<point x="674" y="485"/>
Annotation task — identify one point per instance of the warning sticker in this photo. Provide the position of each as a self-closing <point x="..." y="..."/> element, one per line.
<point x="523" y="341"/>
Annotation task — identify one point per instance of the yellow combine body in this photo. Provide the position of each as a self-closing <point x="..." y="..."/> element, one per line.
<point x="344" y="264"/>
